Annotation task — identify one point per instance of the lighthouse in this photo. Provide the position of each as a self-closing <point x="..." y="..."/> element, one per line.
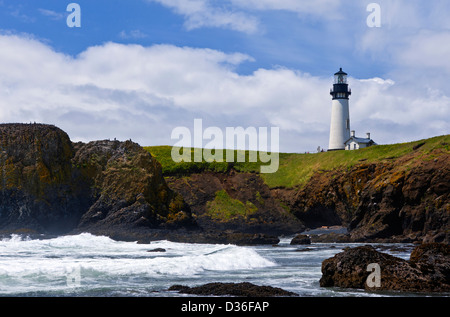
<point x="340" y="114"/>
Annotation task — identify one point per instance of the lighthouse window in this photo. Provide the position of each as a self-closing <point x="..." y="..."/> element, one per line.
<point x="347" y="124"/>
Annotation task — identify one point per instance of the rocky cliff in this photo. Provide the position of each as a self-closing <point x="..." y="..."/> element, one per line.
<point x="404" y="199"/>
<point x="37" y="192"/>
<point x="50" y="185"/>
<point x="388" y="193"/>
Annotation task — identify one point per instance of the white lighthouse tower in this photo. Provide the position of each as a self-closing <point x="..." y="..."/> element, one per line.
<point x="340" y="116"/>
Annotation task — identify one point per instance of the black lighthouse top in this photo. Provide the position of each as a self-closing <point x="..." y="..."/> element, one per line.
<point x="340" y="87"/>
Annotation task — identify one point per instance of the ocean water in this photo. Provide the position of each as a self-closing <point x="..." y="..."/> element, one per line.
<point x="88" y="265"/>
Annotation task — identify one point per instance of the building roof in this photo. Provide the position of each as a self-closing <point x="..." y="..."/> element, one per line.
<point x="341" y="72"/>
<point x="359" y="140"/>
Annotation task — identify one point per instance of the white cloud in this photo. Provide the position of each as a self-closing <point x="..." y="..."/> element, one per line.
<point x="325" y="8"/>
<point x="202" y="13"/>
<point x="144" y="92"/>
<point x="239" y="15"/>
<point x="52" y="14"/>
<point x="133" y="34"/>
<point x="427" y="50"/>
<point x="398" y="113"/>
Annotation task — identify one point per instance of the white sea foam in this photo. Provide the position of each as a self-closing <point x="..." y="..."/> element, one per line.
<point x="107" y="267"/>
<point x="36" y="264"/>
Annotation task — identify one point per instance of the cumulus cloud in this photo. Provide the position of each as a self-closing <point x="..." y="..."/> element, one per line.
<point x="143" y="93"/>
<point x="427" y="50"/>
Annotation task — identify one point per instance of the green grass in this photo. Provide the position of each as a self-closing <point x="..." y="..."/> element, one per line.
<point x="225" y="208"/>
<point x="296" y="169"/>
<point x="169" y="167"/>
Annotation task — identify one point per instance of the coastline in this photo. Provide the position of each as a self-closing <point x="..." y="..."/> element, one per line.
<point x="293" y="260"/>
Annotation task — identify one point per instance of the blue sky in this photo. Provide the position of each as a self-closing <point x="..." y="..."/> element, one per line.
<point x="282" y="37"/>
<point x="137" y="69"/>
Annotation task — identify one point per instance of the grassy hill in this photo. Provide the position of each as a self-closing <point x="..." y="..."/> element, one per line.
<point x="296" y="169"/>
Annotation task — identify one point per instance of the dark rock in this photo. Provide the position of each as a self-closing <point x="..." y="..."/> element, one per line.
<point x="304" y="250"/>
<point x="128" y="187"/>
<point x="418" y="146"/>
<point x="433" y="260"/>
<point x="301" y="239"/>
<point x="331" y="237"/>
<point x="157" y="250"/>
<point x="50" y="185"/>
<point x="233" y="289"/>
<point x="427" y="270"/>
<point x="237" y="238"/>
<point x="38" y="189"/>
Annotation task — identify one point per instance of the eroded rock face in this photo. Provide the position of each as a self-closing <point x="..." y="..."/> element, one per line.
<point x="234" y="201"/>
<point x="413" y="204"/>
<point x="428" y="269"/>
<point x="128" y="188"/>
<point x="37" y="188"/>
<point x="50" y="185"/>
<point x="381" y="201"/>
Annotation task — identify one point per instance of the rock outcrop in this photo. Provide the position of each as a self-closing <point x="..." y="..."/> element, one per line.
<point x="233" y="289"/>
<point x="128" y="188"/>
<point x="405" y="200"/>
<point x="428" y="269"/>
<point x="53" y="186"/>
<point x="50" y="185"/>
<point x="301" y="239"/>
<point x="37" y="188"/>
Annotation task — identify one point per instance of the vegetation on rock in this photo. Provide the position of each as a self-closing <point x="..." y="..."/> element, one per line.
<point x="48" y="184"/>
<point x="398" y="192"/>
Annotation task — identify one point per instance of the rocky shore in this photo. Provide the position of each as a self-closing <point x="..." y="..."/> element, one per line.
<point x="427" y="270"/>
<point x="48" y="184"/>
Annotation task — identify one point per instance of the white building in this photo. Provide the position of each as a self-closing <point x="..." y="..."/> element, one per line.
<point x="355" y="143"/>
<point x="340" y="137"/>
